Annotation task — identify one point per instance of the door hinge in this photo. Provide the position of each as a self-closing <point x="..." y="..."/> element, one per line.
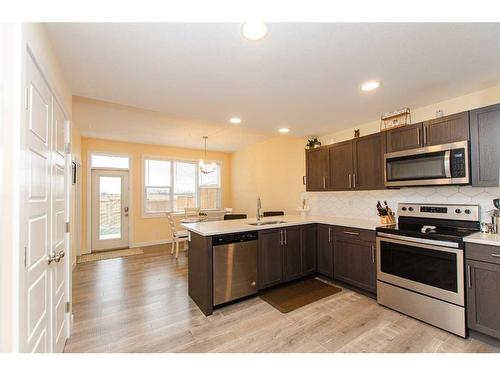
<point x="68" y="307"/>
<point x="67" y="227"/>
<point x="67" y="148"/>
<point x="26" y="98"/>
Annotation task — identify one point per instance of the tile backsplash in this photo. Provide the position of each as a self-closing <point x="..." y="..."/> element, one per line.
<point x="361" y="204"/>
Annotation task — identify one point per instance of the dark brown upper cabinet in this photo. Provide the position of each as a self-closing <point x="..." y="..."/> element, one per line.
<point x="317" y="169"/>
<point x="485" y="145"/>
<point x="447" y="129"/>
<point x="405" y="138"/>
<point x="340" y="166"/>
<point x="368" y="151"/>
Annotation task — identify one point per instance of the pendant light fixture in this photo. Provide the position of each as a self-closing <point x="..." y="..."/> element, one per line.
<point x="206" y="168"/>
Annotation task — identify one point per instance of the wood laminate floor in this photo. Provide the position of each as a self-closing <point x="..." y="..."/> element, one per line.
<point x="140" y="304"/>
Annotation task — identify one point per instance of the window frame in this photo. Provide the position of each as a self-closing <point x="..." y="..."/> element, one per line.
<point x="172" y="194"/>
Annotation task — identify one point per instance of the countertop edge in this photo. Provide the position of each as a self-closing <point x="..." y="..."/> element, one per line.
<point x="351" y="223"/>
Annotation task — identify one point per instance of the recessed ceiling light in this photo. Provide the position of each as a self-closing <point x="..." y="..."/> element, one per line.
<point x="284" y="130"/>
<point x="370" y="85"/>
<point x="235" y="120"/>
<point x="254" y="30"/>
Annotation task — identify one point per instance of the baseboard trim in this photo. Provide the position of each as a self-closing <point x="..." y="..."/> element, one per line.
<point x="149" y="243"/>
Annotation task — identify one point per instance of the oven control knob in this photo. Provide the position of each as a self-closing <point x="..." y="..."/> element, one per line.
<point x="410" y="209"/>
<point x="467" y="211"/>
<point x="403" y="208"/>
<point x="458" y="211"/>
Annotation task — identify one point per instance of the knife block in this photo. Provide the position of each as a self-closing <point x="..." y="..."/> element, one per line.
<point x="387" y="219"/>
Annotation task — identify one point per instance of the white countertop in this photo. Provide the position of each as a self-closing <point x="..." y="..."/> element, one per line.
<point x="210" y="228"/>
<point x="484" y="238"/>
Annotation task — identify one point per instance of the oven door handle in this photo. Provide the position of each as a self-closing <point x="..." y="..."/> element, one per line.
<point x="447" y="164"/>
<point x="414" y="241"/>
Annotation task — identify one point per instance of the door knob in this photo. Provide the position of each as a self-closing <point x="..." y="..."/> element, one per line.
<point x="52" y="258"/>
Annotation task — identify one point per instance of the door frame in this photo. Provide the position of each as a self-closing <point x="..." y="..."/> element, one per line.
<point x="88" y="196"/>
<point x="21" y="308"/>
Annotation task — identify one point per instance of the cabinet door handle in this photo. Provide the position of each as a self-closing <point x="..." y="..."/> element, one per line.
<point x="351" y="233"/>
<point x="286" y="236"/>
<point x="354" y="180"/>
<point x="425" y="135"/>
<point x="495" y="255"/>
<point x="469" y="281"/>
<point x="329" y="234"/>
<point x="373" y="254"/>
<point x="281" y="237"/>
<point x="418" y="136"/>
<point x="350" y="181"/>
<point x="324" y="182"/>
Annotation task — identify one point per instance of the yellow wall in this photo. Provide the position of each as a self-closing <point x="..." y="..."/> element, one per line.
<point x="146" y="229"/>
<point x="467" y="102"/>
<point x="272" y="169"/>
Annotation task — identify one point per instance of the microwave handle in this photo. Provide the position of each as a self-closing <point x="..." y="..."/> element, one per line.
<point x="447" y="163"/>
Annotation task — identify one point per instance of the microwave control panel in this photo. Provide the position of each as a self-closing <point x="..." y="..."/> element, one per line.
<point x="457" y="162"/>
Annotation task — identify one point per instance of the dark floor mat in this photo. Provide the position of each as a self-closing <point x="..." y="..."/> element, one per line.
<point x="297" y="294"/>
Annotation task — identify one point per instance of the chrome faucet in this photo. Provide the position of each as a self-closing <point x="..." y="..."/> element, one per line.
<point x="259" y="206"/>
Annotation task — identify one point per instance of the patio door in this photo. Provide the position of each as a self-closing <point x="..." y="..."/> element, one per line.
<point x="110" y="208"/>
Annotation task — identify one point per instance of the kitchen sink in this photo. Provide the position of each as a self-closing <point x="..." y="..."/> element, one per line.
<point x="259" y="223"/>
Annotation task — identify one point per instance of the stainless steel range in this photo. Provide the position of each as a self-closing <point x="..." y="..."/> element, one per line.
<point x="420" y="270"/>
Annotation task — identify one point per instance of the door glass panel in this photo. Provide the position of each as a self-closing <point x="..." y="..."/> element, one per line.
<point x="426" y="266"/>
<point x="416" y="167"/>
<point x="110" y="207"/>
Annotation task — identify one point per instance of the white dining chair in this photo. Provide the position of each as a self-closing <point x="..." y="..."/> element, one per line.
<point x="178" y="236"/>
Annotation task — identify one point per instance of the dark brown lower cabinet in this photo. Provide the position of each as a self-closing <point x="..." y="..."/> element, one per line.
<point x="309" y="248"/>
<point x="354" y="263"/>
<point x="286" y="254"/>
<point x="292" y="253"/>
<point x="270" y="258"/>
<point x="325" y="250"/>
<point x="483" y="297"/>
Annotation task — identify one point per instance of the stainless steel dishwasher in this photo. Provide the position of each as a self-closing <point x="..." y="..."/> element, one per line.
<point x="234" y="266"/>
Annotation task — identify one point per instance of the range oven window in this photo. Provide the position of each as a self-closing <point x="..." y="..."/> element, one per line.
<point x="426" y="266"/>
<point x="416" y="167"/>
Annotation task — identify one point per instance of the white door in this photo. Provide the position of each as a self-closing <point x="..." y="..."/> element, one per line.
<point x="59" y="218"/>
<point x="109" y="209"/>
<point x="35" y="303"/>
<point x="44" y="275"/>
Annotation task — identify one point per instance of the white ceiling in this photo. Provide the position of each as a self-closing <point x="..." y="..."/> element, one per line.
<point x="303" y="76"/>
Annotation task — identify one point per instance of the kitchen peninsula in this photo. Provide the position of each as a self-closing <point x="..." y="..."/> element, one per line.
<point x="287" y="248"/>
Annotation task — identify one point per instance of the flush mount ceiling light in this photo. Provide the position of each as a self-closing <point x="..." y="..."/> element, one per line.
<point x="254" y="30"/>
<point x="370" y="85"/>
<point x="284" y="130"/>
<point x="235" y="120"/>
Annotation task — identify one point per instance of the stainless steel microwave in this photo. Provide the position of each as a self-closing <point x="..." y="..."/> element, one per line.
<point x="446" y="164"/>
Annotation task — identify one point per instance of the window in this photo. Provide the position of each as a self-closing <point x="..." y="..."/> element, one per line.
<point x="171" y="185"/>
<point x="109" y="161"/>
